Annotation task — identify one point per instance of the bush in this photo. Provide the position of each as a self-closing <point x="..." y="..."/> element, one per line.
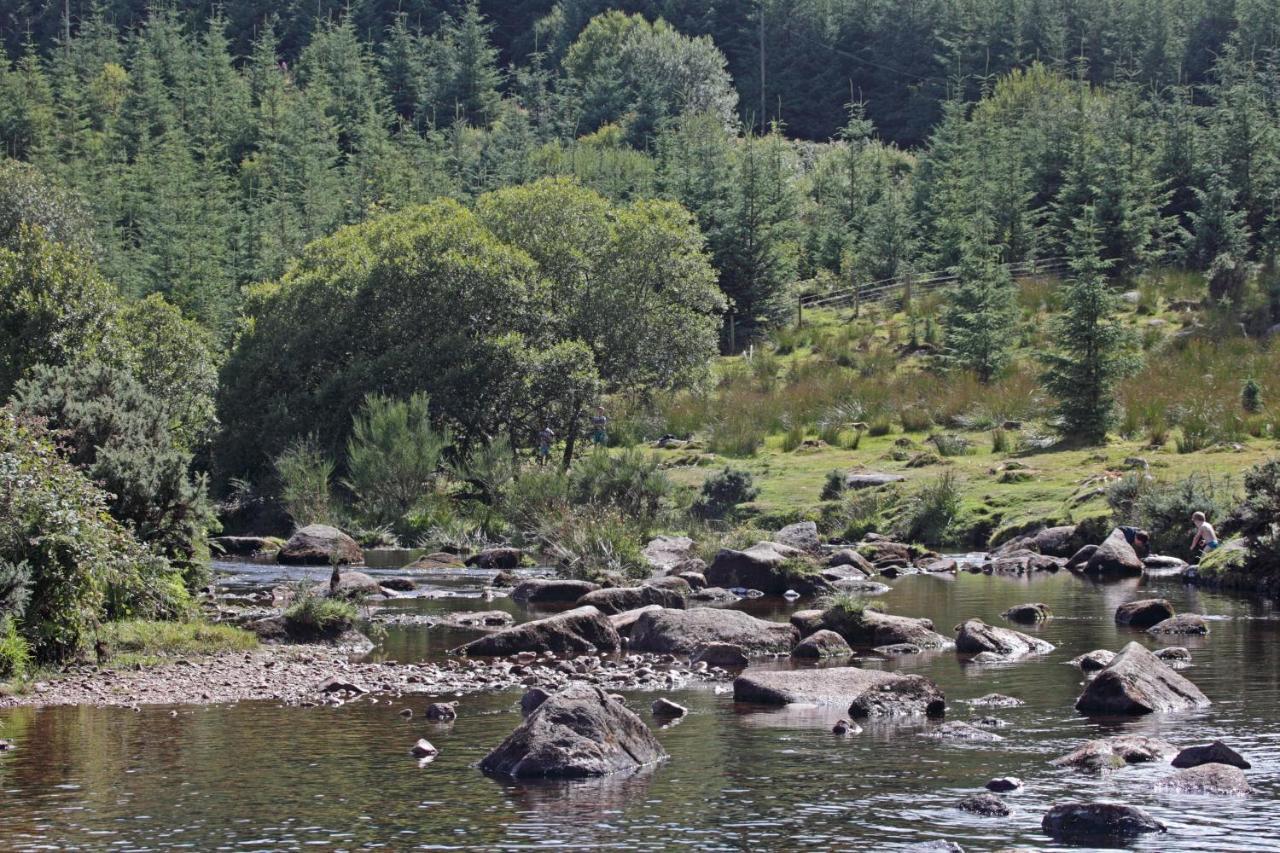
<point x="393" y="456"/>
<point x="880" y="425"/>
<point x="314" y="614"/>
<point x="535" y="498"/>
<point x="120" y="436"/>
<point x="722" y="492"/>
<point x="595" y="545"/>
<point x="1000" y="442"/>
<point x="834" y="485"/>
<point x="15" y="654"/>
<point x="915" y="418"/>
<point x="793" y="437"/>
<point x="84" y="566"/>
<point x="951" y="445"/>
<point x="487" y="469"/>
<point x="1251" y="396"/>
<point x="305" y="473"/>
<point x="1258" y="517"/>
<point x="1164" y="508"/>
<point x="631" y="482"/>
<point x="859" y="513"/>
<point x="931" y="511"/>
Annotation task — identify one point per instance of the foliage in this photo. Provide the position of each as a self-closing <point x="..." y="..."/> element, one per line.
<point x="488" y="469"/>
<point x="84" y="566"/>
<point x="1251" y="396"/>
<point x="833" y="486"/>
<point x="845" y="611"/>
<point x="28" y="198"/>
<point x="595" y="545"/>
<point x="1164" y="508"/>
<point x="630" y="482"/>
<point x="119" y="434"/>
<point x="316" y="614"/>
<point x="393" y="456"/>
<point x="982" y="313"/>
<point x="139" y="638"/>
<point x="15" y="653"/>
<point x="1259" y="515"/>
<point x="722" y="492"/>
<point x="930" y="512"/>
<point x="305" y="477"/>
<point x="1083" y="373"/>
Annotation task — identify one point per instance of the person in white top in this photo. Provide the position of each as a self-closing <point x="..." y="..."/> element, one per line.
<point x="1206" y="538"/>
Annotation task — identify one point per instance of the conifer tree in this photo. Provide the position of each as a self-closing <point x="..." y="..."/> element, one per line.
<point x="1092" y="354"/>
<point x="983" y="313"/>
<point x="468" y="75"/>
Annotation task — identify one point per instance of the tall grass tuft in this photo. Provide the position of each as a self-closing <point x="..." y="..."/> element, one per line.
<point x="306" y="473"/>
<point x="931" y="511"/>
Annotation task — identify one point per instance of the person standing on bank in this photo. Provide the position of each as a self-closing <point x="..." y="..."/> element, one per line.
<point x="599" y="427"/>
<point x="545" y="438"/>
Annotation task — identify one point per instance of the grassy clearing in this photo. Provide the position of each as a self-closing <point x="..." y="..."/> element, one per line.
<point x="144" y="642"/>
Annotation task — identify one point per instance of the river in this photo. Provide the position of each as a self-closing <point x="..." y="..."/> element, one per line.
<point x="260" y="776"/>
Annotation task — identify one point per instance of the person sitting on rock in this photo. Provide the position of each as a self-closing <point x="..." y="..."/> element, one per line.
<point x="1206" y="538"/>
<point x="1139" y="540"/>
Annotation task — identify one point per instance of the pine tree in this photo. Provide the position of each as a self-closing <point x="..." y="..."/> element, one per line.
<point x="1219" y="237"/>
<point x="981" y="319"/>
<point x="1092" y="355"/>
<point x="468" y="76"/>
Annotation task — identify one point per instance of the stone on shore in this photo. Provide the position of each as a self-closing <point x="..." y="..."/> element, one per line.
<point x="1144" y="613"/>
<point x="766" y="566"/>
<point x="497" y="558"/>
<point x="1137" y="682"/>
<point x="1097" y="822"/>
<point x="725" y="655"/>
<point x="577" y="631"/>
<point x="1080" y="559"/>
<point x="625" y="621"/>
<point x="803" y="536"/>
<point x="663" y="553"/>
<point x="621" y="599"/>
<point x="822" y="644"/>
<point x="887" y="693"/>
<point x="851" y="558"/>
<point x="1028" y="614"/>
<point x="245" y="546"/>
<point x="550" y="591"/>
<point x="1214" y="753"/>
<point x="1183" y="623"/>
<point x="578" y="732"/>
<point x="1062" y="541"/>
<point x="975" y="636"/>
<point x="1220" y="779"/>
<point x="320" y="545"/>
<point x="682" y="632"/>
<point x="1115" y="557"/>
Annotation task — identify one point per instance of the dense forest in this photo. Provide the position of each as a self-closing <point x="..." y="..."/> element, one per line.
<point x="223" y="234"/>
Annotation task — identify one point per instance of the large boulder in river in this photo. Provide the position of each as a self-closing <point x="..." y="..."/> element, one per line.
<point x="1080" y="559"/>
<point x="1144" y="613"/>
<point x="724" y="655"/>
<point x="1220" y="779"/>
<point x="873" y="628"/>
<point x="851" y="558"/>
<point x="1115" y="557"/>
<point x="767" y="566"/>
<point x="623" y="598"/>
<point x="1183" y="623"/>
<point x="1028" y="614"/>
<point x="1092" y="823"/>
<point x="975" y="636"/>
<point x="803" y="536"/>
<point x="550" y="591"/>
<point x="1058" y="541"/>
<point x="844" y="685"/>
<point x="624" y="622"/>
<point x="575" y="733"/>
<point x="683" y="632"/>
<point x="497" y="558"/>
<point x="822" y="644"/>
<point x="1214" y="753"/>
<point x="320" y="545"/>
<point x="578" y="631"/>
<point x="664" y="553"/>
<point x="1137" y="682"/>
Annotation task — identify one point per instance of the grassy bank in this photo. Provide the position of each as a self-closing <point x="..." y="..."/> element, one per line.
<point x="145" y="643"/>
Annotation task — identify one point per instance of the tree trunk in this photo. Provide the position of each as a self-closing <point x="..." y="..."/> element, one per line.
<point x="571" y="433"/>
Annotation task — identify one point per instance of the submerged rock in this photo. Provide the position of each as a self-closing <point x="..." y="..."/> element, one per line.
<point x="868" y="692"/>
<point x="1144" y="613"/>
<point x="548" y="591"/>
<point x="583" y="629"/>
<point x="1183" y="623"/>
<point x="1214" y="753"/>
<point x="1004" y="784"/>
<point x="975" y="636"/>
<point x="961" y="731"/>
<point x="578" y="732"/>
<point x="684" y="631"/>
<point x="496" y="558"/>
<point x="1094" y="822"/>
<point x="622" y="599"/>
<point x="1221" y="779"/>
<point x="320" y="545"/>
<point x="1137" y="682"/>
<point x="663" y="707"/>
<point x="442" y="712"/>
<point x="424" y="749"/>
<point x="1094" y="660"/>
<point x="996" y="700"/>
<point x="1028" y="614"/>
<point x="1173" y="654"/>
<point x="822" y="644"/>
<point x="1115" y="752"/>
<point x="987" y="805"/>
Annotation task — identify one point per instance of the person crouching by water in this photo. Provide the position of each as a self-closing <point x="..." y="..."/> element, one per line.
<point x="599" y="427"/>
<point x="545" y="439"/>
<point x="1205" y="538"/>
<point x="1139" y="540"/>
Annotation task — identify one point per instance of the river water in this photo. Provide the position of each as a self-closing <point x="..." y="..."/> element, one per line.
<point x="258" y="776"/>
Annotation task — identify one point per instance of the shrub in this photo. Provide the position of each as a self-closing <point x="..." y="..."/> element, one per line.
<point x="305" y="474"/>
<point x="84" y="566"/>
<point x="931" y="511"/>
<point x="852" y="439"/>
<point x="861" y="512"/>
<point x="1195" y="433"/>
<point x="314" y="614"/>
<point x="536" y="497"/>
<point x="1258" y="517"/>
<point x="880" y="425"/>
<point x="1164" y="508"/>
<point x="630" y="481"/>
<point x="488" y="469"/>
<point x="393" y="456"/>
<point x="595" y="545"/>
<point x="120" y="436"/>
<point x="915" y="418"/>
<point x="722" y="492"/>
<point x="1251" y="396"/>
<point x="834" y="485"/>
<point x="15" y="654"/>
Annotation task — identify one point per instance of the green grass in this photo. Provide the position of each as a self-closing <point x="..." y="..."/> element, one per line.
<point x="314" y="614"/>
<point x="144" y="642"/>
